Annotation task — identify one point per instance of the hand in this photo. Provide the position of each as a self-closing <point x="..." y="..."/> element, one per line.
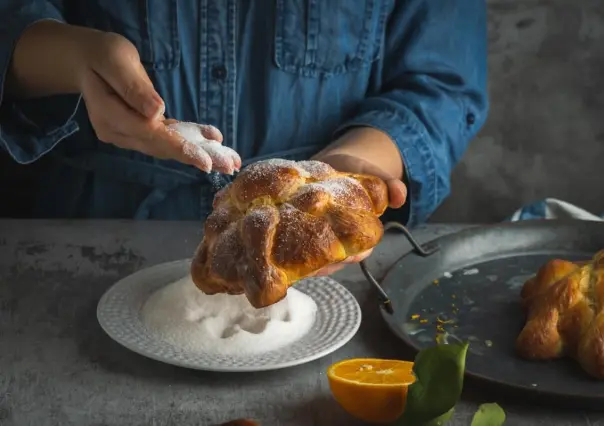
<point x="203" y="143"/>
<point x="350" y="163"/>
<point x="126" y="111"/>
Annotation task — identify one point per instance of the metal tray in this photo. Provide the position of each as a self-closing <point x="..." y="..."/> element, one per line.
<point x="474" y="278"/>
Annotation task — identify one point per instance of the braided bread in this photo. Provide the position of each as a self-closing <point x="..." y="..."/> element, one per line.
<point x="280" y="221"/>
<point x="565" y="314"/>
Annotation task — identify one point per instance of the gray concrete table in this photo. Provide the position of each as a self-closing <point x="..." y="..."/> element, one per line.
<point x="57" y="367"/>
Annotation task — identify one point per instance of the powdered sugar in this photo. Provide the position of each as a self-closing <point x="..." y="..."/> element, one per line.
<point x="343" y="189"/>
<point x="218" y="218"/>
<point x="269" y="167"/>
<point x="226" y="325"/>
<point x="198" y="155"/>
<point x="260" y="218"/>
<point x="340" y="187"/>
<point x="287" y="212"/>
<point x="208" y="154"/>
<point x="317" y="169"/>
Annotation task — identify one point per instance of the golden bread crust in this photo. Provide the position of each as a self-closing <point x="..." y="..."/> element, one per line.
<point x="280" y="221"/>
<point x="564" y="304"/>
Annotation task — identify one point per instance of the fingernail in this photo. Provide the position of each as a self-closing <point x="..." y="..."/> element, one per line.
<point x="231" y="167"/>
<point x="153" y="109"/>
<point x="237" y="163"/>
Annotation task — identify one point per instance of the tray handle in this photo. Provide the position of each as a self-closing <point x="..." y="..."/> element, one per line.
<point x="423" y="251"/>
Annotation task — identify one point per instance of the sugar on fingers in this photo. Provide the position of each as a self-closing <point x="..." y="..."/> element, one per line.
<point x="202" y="145"/>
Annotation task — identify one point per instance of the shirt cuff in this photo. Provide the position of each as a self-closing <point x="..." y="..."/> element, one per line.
<point x="29" y="129"/>
<point x="419" y="170"/>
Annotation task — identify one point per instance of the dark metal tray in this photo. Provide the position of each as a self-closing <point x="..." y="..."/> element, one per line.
<point x="474" y="278"/>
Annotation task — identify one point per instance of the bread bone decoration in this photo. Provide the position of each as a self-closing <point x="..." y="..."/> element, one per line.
<point x="565" y="316"/>
<point x="280" y="221"/>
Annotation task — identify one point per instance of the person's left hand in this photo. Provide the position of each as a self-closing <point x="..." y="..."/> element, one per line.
<point x="397" y="194"/>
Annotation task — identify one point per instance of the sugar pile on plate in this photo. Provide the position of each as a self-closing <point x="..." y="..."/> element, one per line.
<point x="226" y="325"/>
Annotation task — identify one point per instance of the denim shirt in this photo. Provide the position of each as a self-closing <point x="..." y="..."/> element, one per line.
<point x="280" y="78"/>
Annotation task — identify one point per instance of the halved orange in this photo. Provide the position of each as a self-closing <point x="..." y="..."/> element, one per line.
<point x="373" y="390"/>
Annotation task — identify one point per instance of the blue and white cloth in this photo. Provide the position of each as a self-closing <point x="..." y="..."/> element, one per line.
<point x="552" y="208"/>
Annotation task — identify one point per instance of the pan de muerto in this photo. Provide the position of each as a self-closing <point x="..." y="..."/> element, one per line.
<point x="280" y="221"/>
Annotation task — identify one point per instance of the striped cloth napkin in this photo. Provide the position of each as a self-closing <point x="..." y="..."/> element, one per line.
<point x="552" y="208"/>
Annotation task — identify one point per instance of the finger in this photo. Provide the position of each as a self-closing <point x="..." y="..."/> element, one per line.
<point x="133" y="144"/>
<point x="397" y="193"/>
<point x="193" y="144"/>
<point x="330" y="269"/>
<point x="207" y="131"/>
<point x="185" y="151"/>
<point x="210" y="132"/>
<point x="108" y="105"/>
<point x="151" y="138"/>
<point x="237" y="162"/>
<point x="224" y="159"/>
<point x="129" y="123"/>
<point x="194" y="154"/>
<point x="358" y="257"/>
<point x="127" y="76"/>
<point x="175" y="147"/>
<point x="155" y="139"/>
<point x="190" y="131"/>
<point x="145" y="145"/>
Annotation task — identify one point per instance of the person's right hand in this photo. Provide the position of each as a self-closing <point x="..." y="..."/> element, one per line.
<point x="126" y="111"/>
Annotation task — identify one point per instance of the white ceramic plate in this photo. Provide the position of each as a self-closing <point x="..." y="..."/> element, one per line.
<point x="119" y="312"/>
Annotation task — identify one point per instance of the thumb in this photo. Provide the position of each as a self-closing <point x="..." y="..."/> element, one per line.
<point x="128" y="78"/>
<point x="397" y="193"/>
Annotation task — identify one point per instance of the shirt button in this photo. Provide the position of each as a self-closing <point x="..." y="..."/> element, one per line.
<point x="470" y="119"/>
<point x="219" y="72"/>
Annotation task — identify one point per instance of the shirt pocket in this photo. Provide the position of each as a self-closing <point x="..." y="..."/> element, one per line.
<point x="322" y="38"/>
<point x="151" y="25"/>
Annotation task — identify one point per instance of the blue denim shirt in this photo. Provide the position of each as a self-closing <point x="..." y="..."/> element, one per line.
<point x="279" y="78"/>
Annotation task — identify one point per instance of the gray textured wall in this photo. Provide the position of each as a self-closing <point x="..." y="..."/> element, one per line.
<point x="545" y="133"/>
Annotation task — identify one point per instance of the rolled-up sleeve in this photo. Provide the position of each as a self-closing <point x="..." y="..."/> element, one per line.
<point x="431" y="94"/>
<point x="30" y="128"/>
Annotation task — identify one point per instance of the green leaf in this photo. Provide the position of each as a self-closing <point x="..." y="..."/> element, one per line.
<point x="441" y="420"/>
<point x="489" y="415"/>
<point x="439" y="373"/>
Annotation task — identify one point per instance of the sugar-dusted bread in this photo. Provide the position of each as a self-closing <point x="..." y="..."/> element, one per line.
<point x="280" y="221"/>
<point x="565" y="314"/>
